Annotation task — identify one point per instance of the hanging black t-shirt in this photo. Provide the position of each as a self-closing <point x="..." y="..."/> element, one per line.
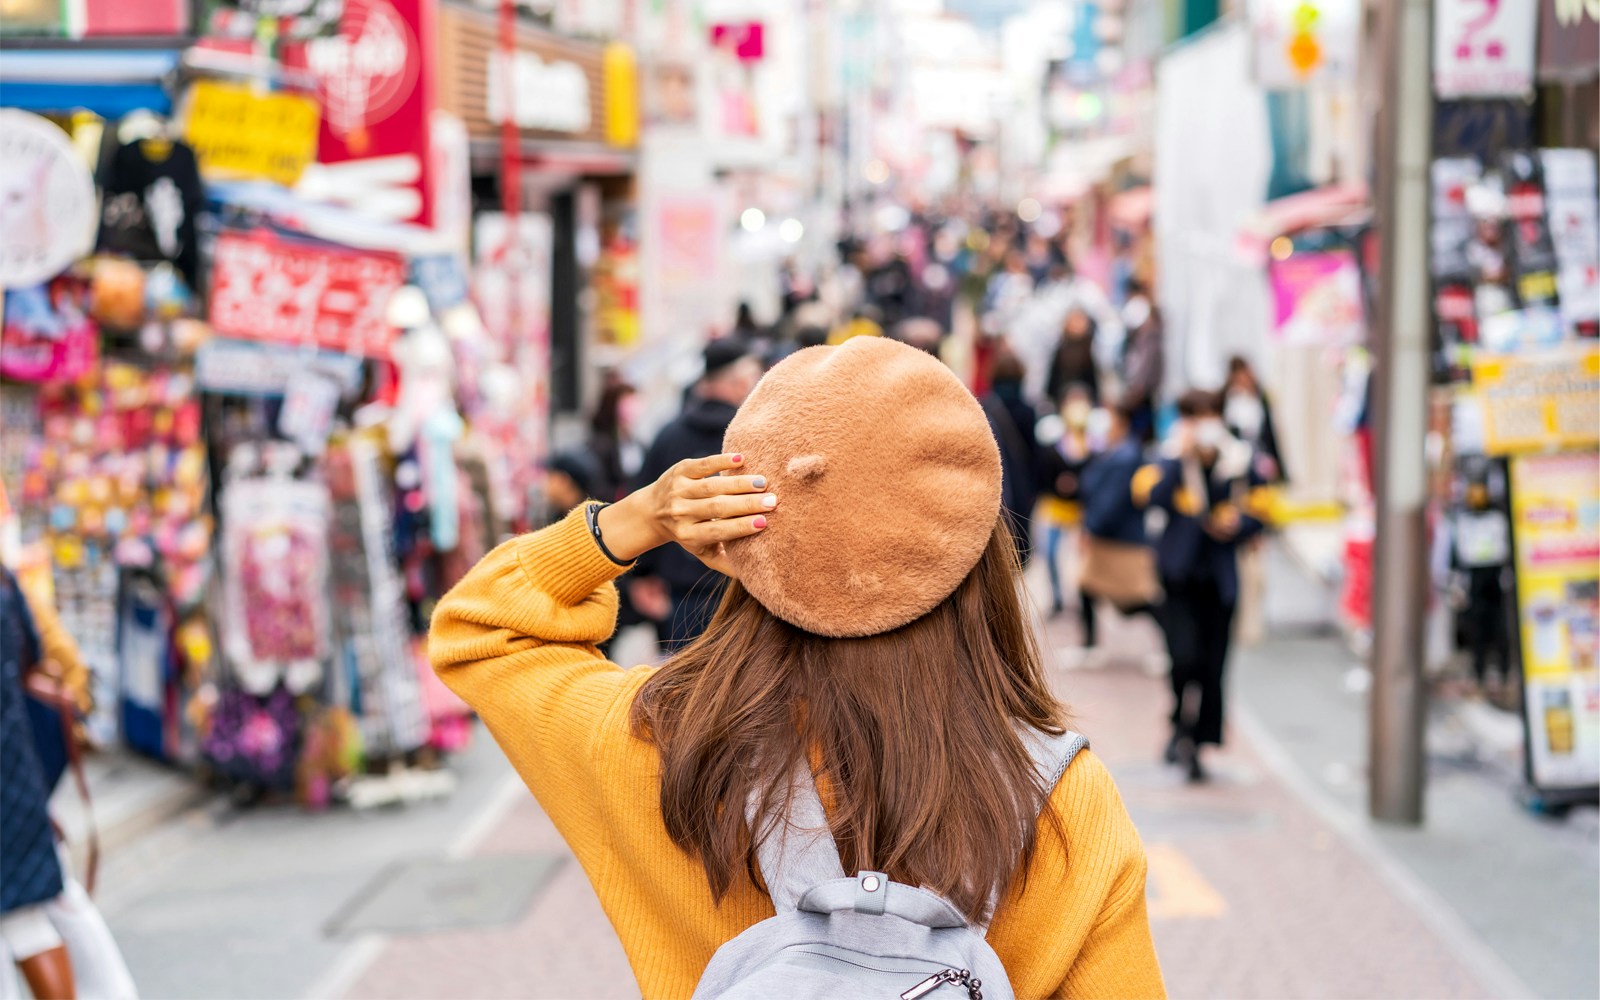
<point x="152" y="195"/>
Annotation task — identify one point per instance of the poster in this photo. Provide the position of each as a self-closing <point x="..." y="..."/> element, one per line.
<point x="1299" y="42"/>
<point x="1539" y="400"/>
<point x="1483" y="48"/>
<point x="267" y="288"/>
<point x="1574" y="223"/>
<point x="1555" y="510"/>
<point x="238" y="132"/>
<point x="1317" y="298"/>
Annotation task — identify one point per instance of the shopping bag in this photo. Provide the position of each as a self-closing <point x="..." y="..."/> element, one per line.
<point x="98" y="968"/>
<point x="1123" y="573"/>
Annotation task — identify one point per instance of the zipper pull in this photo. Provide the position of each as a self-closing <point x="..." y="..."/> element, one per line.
<point x="930" y="984"/>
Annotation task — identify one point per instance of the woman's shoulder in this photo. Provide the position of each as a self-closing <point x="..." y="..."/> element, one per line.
<point x="1093" y="836"/>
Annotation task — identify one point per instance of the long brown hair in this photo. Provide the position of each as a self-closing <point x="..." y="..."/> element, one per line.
<point x="912" y="735"/>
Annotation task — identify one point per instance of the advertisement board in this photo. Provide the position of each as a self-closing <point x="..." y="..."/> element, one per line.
<point x="1299" y="42"/>
<point x="1539" y="400"/>
<point x="1555" y="511"/>
<point x="1317" y="298"/>
<point x="1483" y="48"/>
<point x="267" y="288"/>
<point x="239" y="132"/>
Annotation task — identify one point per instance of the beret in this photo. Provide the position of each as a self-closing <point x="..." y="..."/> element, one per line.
<point x="888" y="485"/>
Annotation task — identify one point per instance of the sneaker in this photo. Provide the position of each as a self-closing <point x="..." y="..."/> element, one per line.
<point x="1174" y="745"/>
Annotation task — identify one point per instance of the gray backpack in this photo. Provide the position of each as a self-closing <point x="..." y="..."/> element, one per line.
<point x="867" y="937"/>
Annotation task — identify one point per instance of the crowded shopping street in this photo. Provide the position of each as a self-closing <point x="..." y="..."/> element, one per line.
<point x="768" y="498"/>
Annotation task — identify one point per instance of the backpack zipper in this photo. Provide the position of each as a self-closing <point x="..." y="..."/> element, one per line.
<point x="938" y="979"/>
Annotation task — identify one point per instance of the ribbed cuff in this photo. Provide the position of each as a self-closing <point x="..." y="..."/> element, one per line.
<point x="564" y="561"/>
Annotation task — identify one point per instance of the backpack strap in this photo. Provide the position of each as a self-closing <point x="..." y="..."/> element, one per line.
<point x="796" y="852"/>
<point x="1051" y="756"/>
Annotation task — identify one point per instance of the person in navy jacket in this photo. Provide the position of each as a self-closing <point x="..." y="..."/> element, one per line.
<point x="1207" y="484"/>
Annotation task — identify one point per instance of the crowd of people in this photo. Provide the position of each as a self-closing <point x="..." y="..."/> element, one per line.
<point x="1153" y="499"/>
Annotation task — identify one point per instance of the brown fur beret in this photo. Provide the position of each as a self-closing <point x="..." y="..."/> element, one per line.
<point x="888" y="485"/>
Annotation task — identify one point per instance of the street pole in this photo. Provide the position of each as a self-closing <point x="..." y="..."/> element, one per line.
<point x="1400" y="393"/>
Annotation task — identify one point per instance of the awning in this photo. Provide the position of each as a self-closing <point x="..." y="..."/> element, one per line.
<point x="1334" y="205"/>
<point x="109" y="82"/>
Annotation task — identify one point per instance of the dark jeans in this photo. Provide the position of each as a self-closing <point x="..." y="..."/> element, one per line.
<point x="1198" y="626"/>
<point x="1485" y="620"/>
<point x="692" y="609"/>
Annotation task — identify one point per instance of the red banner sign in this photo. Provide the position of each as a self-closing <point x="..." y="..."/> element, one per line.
<point x="267" y="288"/>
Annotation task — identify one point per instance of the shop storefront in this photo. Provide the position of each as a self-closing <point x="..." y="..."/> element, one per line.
<point x="559" y="114"/>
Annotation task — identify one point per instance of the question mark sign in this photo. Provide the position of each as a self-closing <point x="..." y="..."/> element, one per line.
<point x="1494" y="50"/>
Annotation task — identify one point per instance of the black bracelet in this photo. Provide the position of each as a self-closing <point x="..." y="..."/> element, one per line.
<point x="591" y="514"/>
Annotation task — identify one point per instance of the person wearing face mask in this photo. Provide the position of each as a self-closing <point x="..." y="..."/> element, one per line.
<point x="1143" y="359"/>
<point x="1210" y="491"/>
<point x="1064" y="441"/>
<point x="1248" y="416"/>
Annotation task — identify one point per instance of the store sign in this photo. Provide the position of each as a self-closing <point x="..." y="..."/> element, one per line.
<point x="1555" y="509"/>
<point x="47" y="201"/>
<point x="1569" y="39"/>
<point x="550" y="87"/>
<point x="1539" y="400"/>
<point x="245" y="368"/>
<point x="1573" y="211"/>
<point x="267" y="288"/>
<point x="237" y="131"/>
<point x="1298" y="42"/>
<point x="374" y="76"/>
<point x="1317" y="298"/>
<point x="1483" y="48"/>
<point x="551" y="96"/>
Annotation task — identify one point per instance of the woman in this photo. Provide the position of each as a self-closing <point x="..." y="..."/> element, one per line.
<point x="32" y="871"/>
<point x="611" y="439"/>
<point x="874" y="629"/>
<point x="1073" y="362"/>
<point x="1248" y="414"/>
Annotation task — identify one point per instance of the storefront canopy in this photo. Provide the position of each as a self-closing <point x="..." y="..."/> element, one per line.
<point x="1324" y="207"/>
<point x="109" y="82"/>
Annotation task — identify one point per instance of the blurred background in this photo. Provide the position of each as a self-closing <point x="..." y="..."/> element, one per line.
<point x="308" y="303"/>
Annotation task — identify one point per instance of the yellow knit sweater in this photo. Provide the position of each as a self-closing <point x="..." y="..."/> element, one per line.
<point x="516" y="639"/>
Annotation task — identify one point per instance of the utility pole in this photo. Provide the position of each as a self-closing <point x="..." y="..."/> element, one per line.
<point x="1400" y="394"/>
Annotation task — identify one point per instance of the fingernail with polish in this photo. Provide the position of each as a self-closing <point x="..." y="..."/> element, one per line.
<point x="769" y="501"/>
<point x="761" y="522"/>
<point x="759" y="482"/>
<point x="737" y="459"/>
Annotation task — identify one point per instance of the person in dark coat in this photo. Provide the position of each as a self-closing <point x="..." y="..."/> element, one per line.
<point x="1208" y="489"/>
<point x="1073" y="362"/>
<point x="30" y="871"/>
<point x="669" y="579"/>
<point x="1143" y="360"/>
<point x="1013" y="420"/>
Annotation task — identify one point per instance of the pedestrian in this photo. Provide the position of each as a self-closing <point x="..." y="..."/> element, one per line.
<point x="612" y="440"/>
<point x="1118" y="565"/>
<point x="33" y="875"/>
<point x="1074" y="360"/>
<point x="1208" y="489"/>
<point x="1014" y="420"/>
<point x="1061" y="496"/>
<point x="670" y="579"/>
<point x="1248" y="414"/>
<point x="1143" y="359"/>
<point x="869" y="699"/>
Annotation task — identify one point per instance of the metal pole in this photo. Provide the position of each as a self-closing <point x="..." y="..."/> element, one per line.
<point x="1400" y="392"/>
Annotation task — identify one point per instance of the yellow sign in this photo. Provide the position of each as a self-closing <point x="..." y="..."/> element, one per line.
<point x="240" y="133"/>
<point x="1555" y="512"/>
<point x="1539" y="400"/>
<point x="621" y="77"/>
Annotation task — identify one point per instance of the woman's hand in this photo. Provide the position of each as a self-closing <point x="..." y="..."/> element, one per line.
<point x="693" y="504"/>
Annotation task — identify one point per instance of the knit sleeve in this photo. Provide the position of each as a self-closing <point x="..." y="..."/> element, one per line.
<point x="59" y="654"/>
<point x="516" y="639"/>
<point x="1117" y="958"/>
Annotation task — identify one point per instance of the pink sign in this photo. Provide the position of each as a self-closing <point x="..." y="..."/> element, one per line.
<point x="1317" y="298"/>
<point x="267" y="288"/>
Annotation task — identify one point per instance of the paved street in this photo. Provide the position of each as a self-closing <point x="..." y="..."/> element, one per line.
<point x="1264" y="883"/>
